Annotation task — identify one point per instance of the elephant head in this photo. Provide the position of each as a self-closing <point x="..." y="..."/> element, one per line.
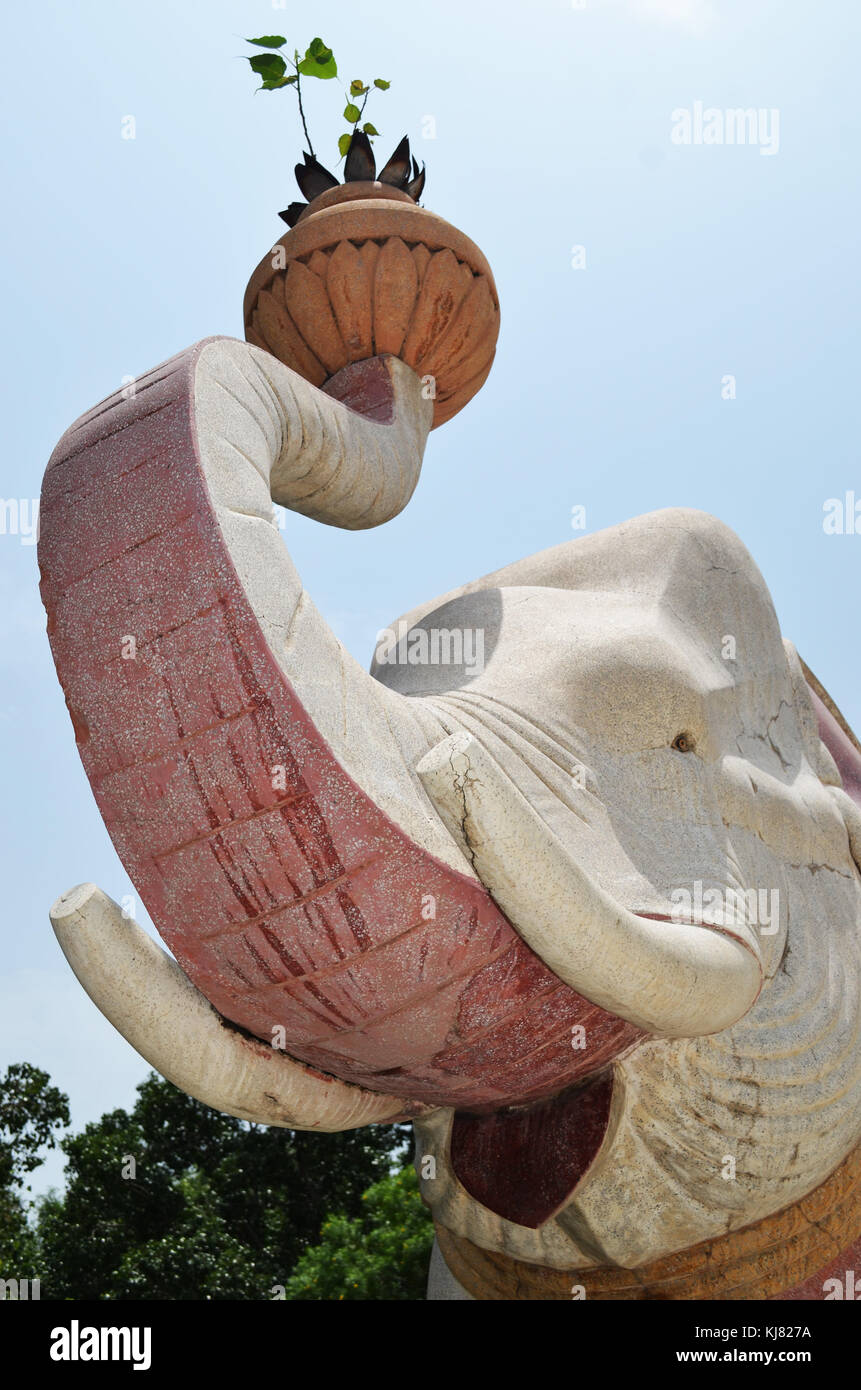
<point x="577" y="827"/>
<point x="641" y="768"/>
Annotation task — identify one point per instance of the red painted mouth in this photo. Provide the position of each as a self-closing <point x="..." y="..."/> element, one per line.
<point x="524" y="1164"/>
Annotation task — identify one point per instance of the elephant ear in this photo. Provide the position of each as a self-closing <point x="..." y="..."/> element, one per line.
<point x="834" y="749"/>
<point x="818" y="752"/>
<point x="851" y="812"/>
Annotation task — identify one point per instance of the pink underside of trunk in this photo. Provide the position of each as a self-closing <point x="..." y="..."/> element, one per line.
<point x="364" y="387"/>
<point x="299" y="907"/>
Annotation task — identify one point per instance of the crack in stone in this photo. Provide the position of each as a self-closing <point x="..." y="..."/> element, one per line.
<point x="460" y="788"/>
<point x="783" y="705"/>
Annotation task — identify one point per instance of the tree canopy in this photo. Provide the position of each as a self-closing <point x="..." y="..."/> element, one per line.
<point x="173" y="1200"/>
<point x="381" y="1254"/>
<point x="32" y="1112"/>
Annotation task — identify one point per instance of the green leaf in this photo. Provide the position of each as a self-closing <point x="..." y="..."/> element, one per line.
<point x="268" y="65"/>
<point x="383" y="86"/>
<point x="271" y="83"/>
<point x="344" y="142"/>
<point x="370" y="129"/>
<point x="319" y="61"/>
<point x="351" y="113"/>
<point x="357" y="87"/>
<point x="310" y="67"/>
<point x="268" y="41"/>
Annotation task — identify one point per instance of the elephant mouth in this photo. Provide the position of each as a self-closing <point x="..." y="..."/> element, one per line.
<point x="524" y="1163"/>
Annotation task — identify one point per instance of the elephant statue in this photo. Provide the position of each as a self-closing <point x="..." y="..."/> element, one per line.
<point x="570" y="878"/>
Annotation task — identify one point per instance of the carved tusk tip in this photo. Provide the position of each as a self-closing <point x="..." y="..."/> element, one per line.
<point x="73" y="901"/>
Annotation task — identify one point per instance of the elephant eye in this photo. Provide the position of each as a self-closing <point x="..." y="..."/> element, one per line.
<point x="684" y="743"/>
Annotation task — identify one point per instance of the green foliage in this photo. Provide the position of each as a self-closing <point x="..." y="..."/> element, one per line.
<point x="31" y="1111"/>
<point x="18" y="1246"/>
<point x="381" y="1254"/>
<point x="177" y="1201"/>
<point x="319" y="61"/>
<point x="172" y="1200"/>
<point x="353" y="113"/>
<point x="200" y="1259"/>
<point x="269" y="65"/>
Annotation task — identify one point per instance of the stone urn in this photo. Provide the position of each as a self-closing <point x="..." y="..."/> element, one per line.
<point x="366" y="271"/>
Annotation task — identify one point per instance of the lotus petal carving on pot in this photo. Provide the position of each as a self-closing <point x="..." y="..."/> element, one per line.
<point x="365" y="272"/>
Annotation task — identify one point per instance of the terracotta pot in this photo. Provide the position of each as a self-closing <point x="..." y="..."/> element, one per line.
<point x="366" y="271"/>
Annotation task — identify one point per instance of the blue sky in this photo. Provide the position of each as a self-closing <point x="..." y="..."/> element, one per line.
<point x="553" y="126"/>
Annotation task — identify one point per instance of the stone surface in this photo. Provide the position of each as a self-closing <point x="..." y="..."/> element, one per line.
<point x="355" y="191"/>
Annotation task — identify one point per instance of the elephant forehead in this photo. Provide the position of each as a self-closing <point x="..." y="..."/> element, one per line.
<point x="562" y="647"/>
<point x="603" y="660"/>
<point x="686" y="558"/>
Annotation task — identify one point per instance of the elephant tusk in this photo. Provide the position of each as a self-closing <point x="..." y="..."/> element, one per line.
<point x="148" y="998"/>
<point x="670" y="978"/>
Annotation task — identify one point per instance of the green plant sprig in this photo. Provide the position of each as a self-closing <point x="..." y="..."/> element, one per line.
<point x="319" y="61"/>
<point x="353" y="113"/>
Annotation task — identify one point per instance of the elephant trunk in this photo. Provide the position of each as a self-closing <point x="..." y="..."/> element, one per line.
<point x="259" y="786"/>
